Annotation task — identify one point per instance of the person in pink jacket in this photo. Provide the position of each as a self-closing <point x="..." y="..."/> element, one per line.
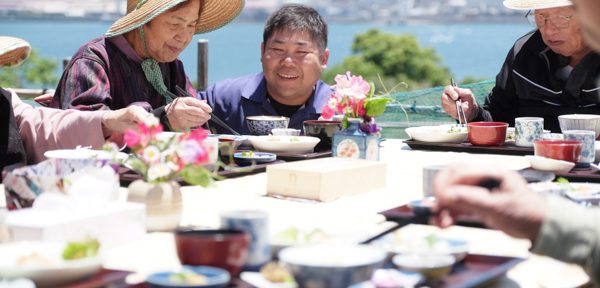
<point x="27" y="132"/>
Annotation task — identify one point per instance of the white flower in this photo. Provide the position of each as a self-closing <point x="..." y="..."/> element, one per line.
<point x="158" y="171"/>
<point x="151" y="154"/>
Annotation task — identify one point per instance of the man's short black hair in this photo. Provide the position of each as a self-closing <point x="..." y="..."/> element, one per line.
<point x="296" y="17"/>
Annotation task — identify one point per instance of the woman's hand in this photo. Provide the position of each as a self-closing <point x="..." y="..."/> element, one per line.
<point x="187" y="112"/>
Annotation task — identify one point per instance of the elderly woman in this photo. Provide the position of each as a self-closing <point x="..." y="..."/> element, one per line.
<point x="136" y="61"/>
<point x="26" y="132"/>
<point x="549" y="72"/>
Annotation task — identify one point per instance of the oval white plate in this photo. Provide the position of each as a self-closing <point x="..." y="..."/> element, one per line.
<point x="298" y="144"/>
<point x="549" y="164"/>
<point x="436" y="134"/>
<point x="83" y="153"/>
<point x="56" y="272"/>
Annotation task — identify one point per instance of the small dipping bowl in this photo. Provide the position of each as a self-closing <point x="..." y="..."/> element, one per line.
<point x="487" y="133"/>
<point x="433" y="266"/>
<point x="285" y="132"/>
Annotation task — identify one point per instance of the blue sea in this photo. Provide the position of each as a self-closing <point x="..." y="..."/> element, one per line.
<point x="467" y="49"/>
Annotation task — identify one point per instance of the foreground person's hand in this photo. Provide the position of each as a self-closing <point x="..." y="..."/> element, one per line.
<point x="187" y="112"/>
<point x="118" y="121"/>
<point x="511" y="207"/>
<point x="469" y="104"/>
<point x="44" y="99"/>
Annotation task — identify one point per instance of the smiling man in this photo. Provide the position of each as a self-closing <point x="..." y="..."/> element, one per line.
<point x="293" y="54"/>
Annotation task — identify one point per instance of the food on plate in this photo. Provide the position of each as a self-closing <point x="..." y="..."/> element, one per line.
<point x="457" y="129"/>
<point x="276" y="273"/>
<point x="298" y="236"/>
<point x="81" y="249"/>
<point x="249" y="154"/>
<point x="188" y="277"/>
<point x="35" y="258"/>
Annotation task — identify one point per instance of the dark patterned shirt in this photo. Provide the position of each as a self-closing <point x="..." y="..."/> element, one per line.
<point x="106" y="73"/>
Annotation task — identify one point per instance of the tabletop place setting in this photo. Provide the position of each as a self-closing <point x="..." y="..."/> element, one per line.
<point x="284" y="211"/>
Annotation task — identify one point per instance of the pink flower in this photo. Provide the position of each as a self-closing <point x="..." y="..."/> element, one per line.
<point x="132" y="138"/>
<point x="192" y="152"/>
<point x="351" y="86"/>
<point x="360" y="108"/>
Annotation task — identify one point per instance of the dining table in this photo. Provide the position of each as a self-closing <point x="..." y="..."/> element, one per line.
<point x="349" y="219"/>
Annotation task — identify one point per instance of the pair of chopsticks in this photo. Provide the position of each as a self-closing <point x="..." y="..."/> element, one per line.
<point x="213" y="118"/>
<point x="462" y="119"/>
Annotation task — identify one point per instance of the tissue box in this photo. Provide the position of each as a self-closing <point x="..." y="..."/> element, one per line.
<point x="112" y="224"/>
<point x="325" y="179"/>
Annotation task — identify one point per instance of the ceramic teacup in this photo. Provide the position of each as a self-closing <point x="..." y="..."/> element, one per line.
<point x="527" y="130"/>
<point x="588" y="150"/>
<point x="255" y="223"/>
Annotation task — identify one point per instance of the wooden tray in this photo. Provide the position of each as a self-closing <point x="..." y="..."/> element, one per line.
<point x="289" y="157"/>
<point x="506" y="149"/>
<point x="581" y="175"/>
<point x="127" y="176"/>
<point x="403" y="213"/>
<point x="476" y="270"/>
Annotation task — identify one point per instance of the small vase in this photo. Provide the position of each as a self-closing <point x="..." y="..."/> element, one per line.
<point x="163" y="203"/>
<point x="354" y="143"/>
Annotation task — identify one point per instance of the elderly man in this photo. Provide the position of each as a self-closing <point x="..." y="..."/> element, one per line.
<point x="549" y="72"/>
<point x="136" y="61"/>
<point x="293" y="54"/>
<point x="556" y="228"/>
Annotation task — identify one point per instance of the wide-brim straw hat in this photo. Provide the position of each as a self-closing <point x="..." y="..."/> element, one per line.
<point x="214" y="14"/>
<point x="535" y="4"/>
<point x="13" y="51"/>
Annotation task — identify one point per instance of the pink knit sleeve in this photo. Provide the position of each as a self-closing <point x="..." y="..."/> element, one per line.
<point x="44" y="129"/>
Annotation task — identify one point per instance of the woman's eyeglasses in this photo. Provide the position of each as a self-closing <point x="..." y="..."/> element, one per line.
<point x="540" y="21"/>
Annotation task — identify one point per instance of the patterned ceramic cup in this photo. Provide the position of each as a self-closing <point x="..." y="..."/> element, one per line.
<point x="255" y="223"/>
<point x="527" y="130"/>
<point x="588" y="150"/>
<point x="429" y="173"/>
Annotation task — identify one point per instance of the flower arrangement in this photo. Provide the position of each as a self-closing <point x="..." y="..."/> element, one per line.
<point x="354" y="97"/>
<point x="161" y="159"/>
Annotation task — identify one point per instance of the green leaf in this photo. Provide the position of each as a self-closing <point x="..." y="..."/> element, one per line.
<point x="376" y="106"/>
<point x="197" y="175"/>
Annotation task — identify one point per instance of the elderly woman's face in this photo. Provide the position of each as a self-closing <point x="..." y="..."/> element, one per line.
<point x="172" y="31"/>
<point x="561" y="31"/>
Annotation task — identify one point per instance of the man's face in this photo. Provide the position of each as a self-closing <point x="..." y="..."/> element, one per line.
<point x="292" y="64"/>
<point x="565" y="40"/>
<point x="171" y="32"/>
<point x="588" y="15"/>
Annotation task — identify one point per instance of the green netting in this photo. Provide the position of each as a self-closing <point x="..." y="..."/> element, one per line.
<point x="422" y="107"/>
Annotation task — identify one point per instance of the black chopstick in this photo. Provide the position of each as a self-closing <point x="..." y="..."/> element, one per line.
<point x="212" y="116"/>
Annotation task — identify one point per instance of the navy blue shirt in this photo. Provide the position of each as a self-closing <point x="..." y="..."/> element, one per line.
<point x="232" y="100"/>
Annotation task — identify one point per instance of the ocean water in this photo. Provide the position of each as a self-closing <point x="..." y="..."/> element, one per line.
<point x="467" y="49"/>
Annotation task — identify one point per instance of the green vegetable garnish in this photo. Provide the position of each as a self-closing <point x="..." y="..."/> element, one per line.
<point x="248" y="153"/>
<point x="82" y="249"/>
<point x="562" y="180"/>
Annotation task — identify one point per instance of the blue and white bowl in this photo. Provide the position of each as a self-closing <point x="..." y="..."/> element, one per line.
<point x="262" y="125"/>
<point x="330" y="265"/>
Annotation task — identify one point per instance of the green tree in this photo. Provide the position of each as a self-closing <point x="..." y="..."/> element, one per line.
<point x="393" y="58"/>
<point x="35" y="71"/>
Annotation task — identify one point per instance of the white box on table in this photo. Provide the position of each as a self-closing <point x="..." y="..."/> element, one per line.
<point x="112" y="224"/>
<point x="325" y="179"/>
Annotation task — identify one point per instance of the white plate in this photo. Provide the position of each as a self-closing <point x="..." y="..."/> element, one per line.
<point x="437" y="134"/>
<point x="298" y="144"/>
<point x="52" y="271"/>
<point x="549" y="164"/>
<point x="84" y="153"/>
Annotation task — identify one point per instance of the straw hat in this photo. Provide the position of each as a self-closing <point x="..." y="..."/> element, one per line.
<point x="214" y="14"/>
<point x="13" y="51"/>
<point x="535" y="4"/>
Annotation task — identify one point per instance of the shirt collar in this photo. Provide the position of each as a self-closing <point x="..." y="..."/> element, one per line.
<point x="126" y="48"/>
<point x="256" y="90"/>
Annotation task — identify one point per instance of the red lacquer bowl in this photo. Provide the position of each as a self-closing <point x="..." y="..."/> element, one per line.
<point x="487" y="133"/>
<point x="566" y="150"/>
<point x="227" y="249"/>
